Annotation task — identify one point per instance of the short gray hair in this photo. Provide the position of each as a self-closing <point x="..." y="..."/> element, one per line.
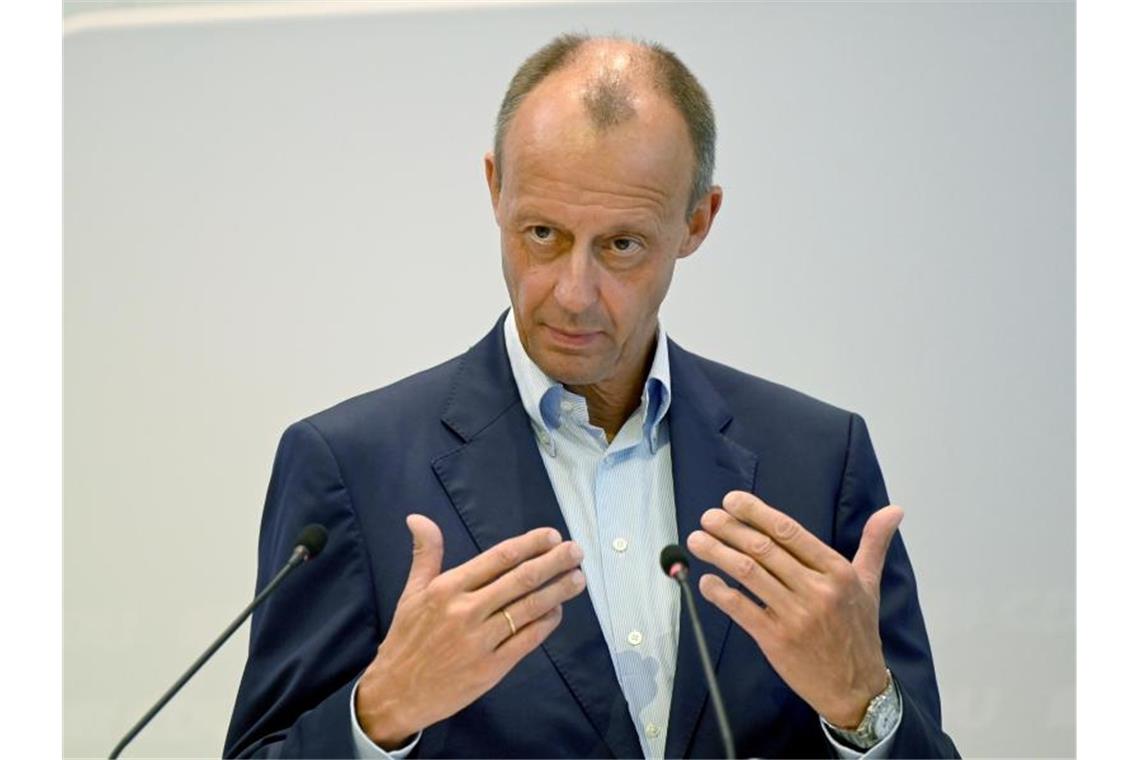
<point x="608" y="100"/>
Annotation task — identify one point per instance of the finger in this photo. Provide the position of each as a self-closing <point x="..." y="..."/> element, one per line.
<point x="533" y="606"/>
<point x="427" y="553"/>
<point x="872" y="551"/>
<point x="751" y="574"/>
<point x="503" y="557"/>
<point x="529" y="637"/>
<point x="760" y="547"/>
<point x="783" y="529"/>
<point x="750" y="616"/>
<point x="527" y="577"/>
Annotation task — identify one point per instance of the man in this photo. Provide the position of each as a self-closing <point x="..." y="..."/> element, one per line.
<point x="558" y="456"/>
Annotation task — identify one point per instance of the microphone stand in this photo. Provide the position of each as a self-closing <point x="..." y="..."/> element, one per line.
<point x="675" y="563"/>
<point x="706" y="663"/>
<point x="300" y="554"/>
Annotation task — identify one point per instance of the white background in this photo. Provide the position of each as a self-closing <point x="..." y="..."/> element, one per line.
<point x="263" y="217"/>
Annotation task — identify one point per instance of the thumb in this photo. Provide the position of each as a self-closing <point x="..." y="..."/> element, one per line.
<point x="872" y="552"/>
<point x="427" y="553"/>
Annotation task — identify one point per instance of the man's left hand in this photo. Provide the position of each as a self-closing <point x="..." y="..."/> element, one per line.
<point x="819" y="621"/>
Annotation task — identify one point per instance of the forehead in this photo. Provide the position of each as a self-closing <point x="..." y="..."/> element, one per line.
<point x="555" y="147"/>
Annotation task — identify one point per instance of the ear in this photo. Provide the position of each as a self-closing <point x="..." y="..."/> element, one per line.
<point x="494" y="181"/>
<point x="701" y="221"/>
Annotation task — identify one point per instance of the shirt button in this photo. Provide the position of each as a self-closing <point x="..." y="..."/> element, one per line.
<point x="651" y="730"/>
<point x="620" y="544"/>
<point x="634" y="637"/>
<point x="567" y="406"/>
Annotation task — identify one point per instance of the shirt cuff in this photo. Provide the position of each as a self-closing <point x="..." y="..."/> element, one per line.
<point x="874" y="752"/>
<point x="365" y="748"/>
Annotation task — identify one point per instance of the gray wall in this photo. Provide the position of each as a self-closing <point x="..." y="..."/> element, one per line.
<point x="263" y="217"/>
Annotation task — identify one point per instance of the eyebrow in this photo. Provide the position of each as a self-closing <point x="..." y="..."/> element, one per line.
<point x="643" y="223"/>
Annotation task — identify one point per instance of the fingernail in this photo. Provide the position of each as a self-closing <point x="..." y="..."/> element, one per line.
<point x="575" y="551"/>
<point x="553" y="538"/>
<point x="733" y="500"/>
<point x="578" y="578"/>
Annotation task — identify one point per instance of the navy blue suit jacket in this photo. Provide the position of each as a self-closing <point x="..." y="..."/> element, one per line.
<point x="454" y="443"/>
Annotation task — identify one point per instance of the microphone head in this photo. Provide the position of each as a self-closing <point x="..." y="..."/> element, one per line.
<point x="313" y="538"/>
<point x="674" y="560"/>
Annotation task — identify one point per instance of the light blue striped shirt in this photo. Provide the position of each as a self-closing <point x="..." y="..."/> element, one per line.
<point x="617" y="499"/>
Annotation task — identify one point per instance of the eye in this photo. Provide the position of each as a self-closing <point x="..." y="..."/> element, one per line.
<point x="626" y="245"/>
<point x="542" y="233"/>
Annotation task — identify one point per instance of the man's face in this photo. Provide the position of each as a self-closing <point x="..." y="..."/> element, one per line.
<point x="591" y="225"/>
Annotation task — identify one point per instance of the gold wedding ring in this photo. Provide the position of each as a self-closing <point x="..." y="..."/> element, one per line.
<point x="510" y="621"/>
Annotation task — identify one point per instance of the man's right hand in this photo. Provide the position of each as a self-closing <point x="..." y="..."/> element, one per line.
<point x="450" y="642"/>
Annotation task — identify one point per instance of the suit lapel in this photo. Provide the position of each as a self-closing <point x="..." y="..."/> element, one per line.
<point x="706" y="466"/>
<point x="499" y="486"/>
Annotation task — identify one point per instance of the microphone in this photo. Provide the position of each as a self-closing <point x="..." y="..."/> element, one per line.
<point x="675" y="563"/>
<point x="310" y="542"/>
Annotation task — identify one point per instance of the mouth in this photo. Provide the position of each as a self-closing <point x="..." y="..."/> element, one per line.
<point x="573" y="338"/>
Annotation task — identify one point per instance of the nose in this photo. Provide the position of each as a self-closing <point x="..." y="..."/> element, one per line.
<point x="577" y="287"/>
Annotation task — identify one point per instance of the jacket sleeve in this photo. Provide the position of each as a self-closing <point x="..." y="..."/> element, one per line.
<point x="317" y="633"/>
<point x="903" y="633"/>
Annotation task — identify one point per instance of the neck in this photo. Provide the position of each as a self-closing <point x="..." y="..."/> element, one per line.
<point x="611" y="402"/>
<point x="608" y="413"/>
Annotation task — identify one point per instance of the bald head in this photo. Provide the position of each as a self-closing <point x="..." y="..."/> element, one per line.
<point x="610" y="80"/>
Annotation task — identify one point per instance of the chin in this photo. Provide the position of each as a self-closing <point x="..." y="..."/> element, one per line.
<point x="566" y="369"/>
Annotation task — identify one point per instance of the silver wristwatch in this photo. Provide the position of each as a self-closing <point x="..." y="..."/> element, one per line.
<point x="880" y="719"/>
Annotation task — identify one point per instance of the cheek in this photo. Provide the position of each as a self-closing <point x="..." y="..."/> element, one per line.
<point x="633" y="297"/>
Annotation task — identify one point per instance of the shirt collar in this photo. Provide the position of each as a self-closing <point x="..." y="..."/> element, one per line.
<point x="542" y="396"/>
